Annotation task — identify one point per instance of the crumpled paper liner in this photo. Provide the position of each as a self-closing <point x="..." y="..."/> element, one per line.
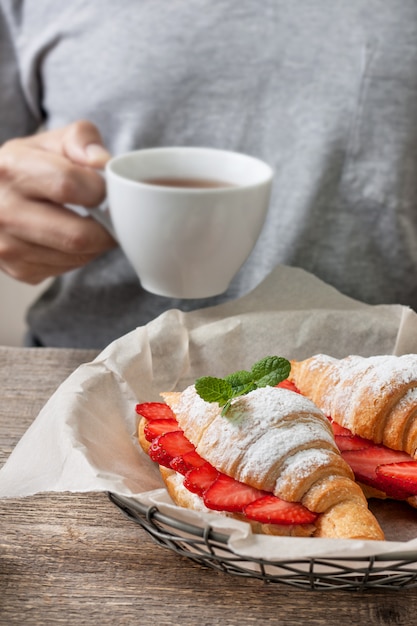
<point x="84" y="438"/>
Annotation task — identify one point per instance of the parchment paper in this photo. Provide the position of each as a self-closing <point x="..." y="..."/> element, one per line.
<point x="84" y="440"/>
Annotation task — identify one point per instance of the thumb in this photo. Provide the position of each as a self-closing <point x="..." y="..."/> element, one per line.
<point x="82" y="143"/>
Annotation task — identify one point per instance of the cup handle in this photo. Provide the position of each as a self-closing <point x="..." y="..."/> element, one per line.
<point x="100" y="213"/>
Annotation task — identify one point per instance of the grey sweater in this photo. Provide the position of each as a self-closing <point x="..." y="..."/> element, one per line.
<point x="323" y="90"/>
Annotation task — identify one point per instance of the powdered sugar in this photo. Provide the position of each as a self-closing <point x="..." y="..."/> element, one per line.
<point x="261" y="431"/>
<point x="409" y="400"/>
<point x="302" y="465"/>
<point x="376" y="377"/>
<point x="267" y="456"/>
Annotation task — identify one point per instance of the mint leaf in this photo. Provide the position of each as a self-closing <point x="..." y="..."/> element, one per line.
<point x="241" y="382"/>
<point x="269" y="371"/>
<point x="226" y="408"/>
<point x="214" y="389"/>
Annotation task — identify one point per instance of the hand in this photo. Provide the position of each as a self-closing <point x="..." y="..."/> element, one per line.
<point x="39" y="237"/>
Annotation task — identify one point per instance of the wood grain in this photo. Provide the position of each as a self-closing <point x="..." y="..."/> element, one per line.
<point x="75" y="559"/>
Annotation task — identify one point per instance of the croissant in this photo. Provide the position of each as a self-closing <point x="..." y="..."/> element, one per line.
<point x="279" y="444"/>
<point x="374" y="398"/>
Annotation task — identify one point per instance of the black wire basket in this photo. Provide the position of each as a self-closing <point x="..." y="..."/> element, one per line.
<point x="210" y="548"/>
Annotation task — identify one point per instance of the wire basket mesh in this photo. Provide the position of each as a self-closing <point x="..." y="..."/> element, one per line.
<point x="210" y="548"/>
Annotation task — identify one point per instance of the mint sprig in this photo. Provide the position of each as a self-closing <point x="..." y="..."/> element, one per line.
<point x="269" y="371"/>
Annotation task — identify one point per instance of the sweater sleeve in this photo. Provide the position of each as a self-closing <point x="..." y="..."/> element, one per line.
<point x="16" y="118"/>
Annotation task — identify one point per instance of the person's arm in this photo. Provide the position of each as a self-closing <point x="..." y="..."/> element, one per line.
<point x="39" y="173"/>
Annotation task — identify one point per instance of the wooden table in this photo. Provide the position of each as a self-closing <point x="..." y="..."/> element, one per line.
<point x="75" y="559"/>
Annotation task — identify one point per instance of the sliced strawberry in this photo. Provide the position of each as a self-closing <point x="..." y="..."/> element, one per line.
<point x="340" y="430"/>
<point x="228" y="494"/>
<point x="288" y="384"/>
<point x="157" y="427"/>
<point x="272" y="510"/>
<point x="184" y="464"/>
<point x="168" y="446"/>
<point x="346" y="441"/>
<point x="154" y="410"/>
<point x="178" y="464"/>
<point x="175" y="443"/>
<point x="365" y="461"/>
<point x="199" y="479"/>
<point x="403" y="475"/>
<point x="193" y="459"/>
<point x="352" y="442"/>
<point x="158" y="454"/>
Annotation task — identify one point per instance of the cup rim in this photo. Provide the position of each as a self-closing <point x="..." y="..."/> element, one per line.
<point x="126" y="156"/>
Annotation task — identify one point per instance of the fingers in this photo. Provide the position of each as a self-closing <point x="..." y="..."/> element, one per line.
<point x="53" y="226"/>
<point x="32" y="264"/>
<point x="46" y="241"/>
<point x="36" y="173"/>
<point x="82" y="143"/>
<point x="58" y="165"/>
<point x="40" y="174"/>
<point x="39" y="237"/>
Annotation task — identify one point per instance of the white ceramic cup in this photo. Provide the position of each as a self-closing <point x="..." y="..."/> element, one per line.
<point x="187" y="242"/>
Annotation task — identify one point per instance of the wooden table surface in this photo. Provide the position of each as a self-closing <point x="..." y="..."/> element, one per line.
<point x="75" y="559"/>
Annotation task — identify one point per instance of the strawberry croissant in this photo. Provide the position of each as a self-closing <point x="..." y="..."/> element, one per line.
<point x="373" y="404"/>
<point x="272" y="461"/>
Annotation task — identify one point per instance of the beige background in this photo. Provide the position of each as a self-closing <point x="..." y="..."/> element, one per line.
<point x="15" y="297"/>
